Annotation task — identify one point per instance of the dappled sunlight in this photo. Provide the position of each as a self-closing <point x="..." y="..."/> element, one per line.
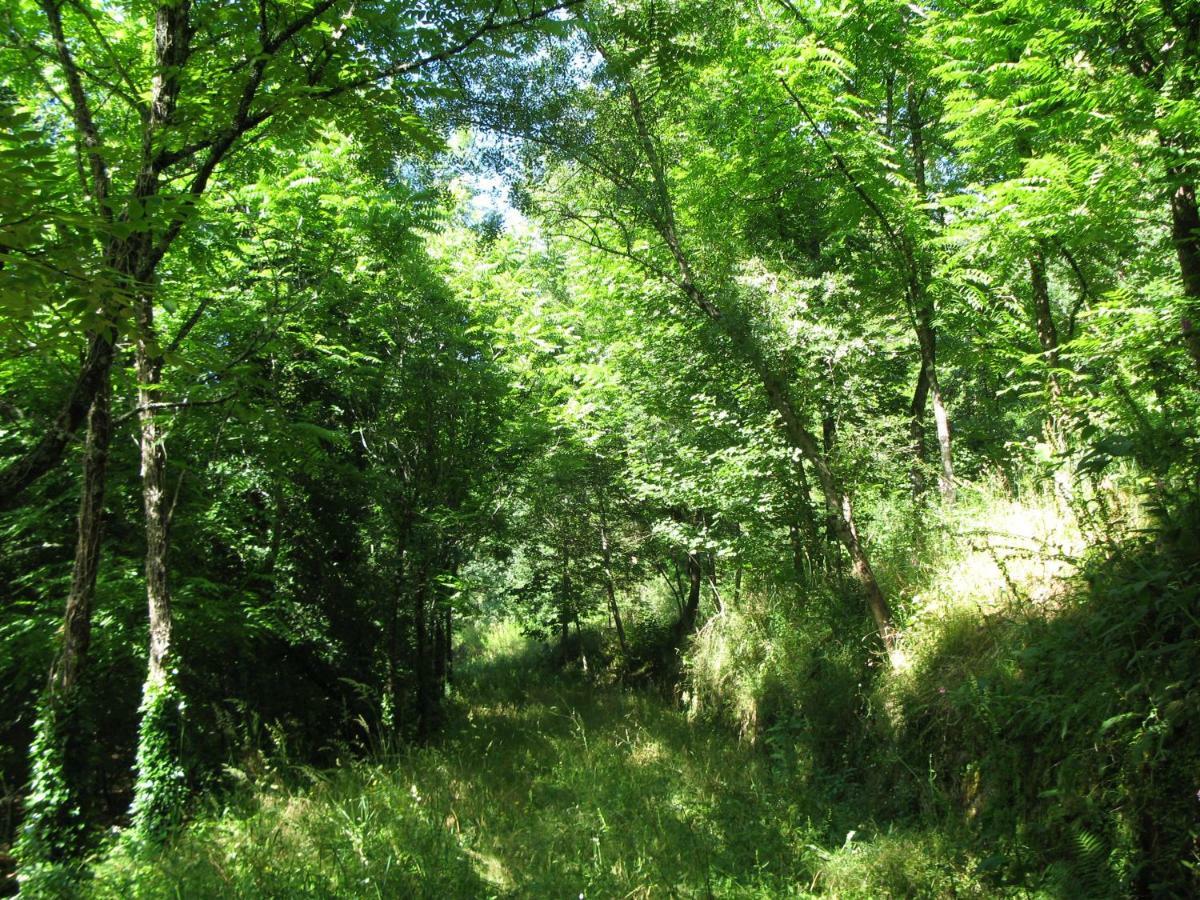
<point x="1004" y="551"/>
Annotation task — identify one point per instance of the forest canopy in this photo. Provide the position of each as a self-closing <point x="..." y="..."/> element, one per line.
<point x="810" y="387"/>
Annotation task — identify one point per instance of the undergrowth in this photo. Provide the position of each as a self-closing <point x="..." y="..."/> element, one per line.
<point x="1036" y="738"/>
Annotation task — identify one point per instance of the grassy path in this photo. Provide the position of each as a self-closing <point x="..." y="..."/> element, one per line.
<point x="541" y="786"/>
<point x="560" y="788"/>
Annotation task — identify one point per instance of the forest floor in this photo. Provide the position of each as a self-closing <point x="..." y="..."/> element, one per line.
<point x="542" y="784"/>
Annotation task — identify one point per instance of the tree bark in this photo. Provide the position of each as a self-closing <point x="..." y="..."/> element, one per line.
<point x="154" y="492"/>
<point x="923" y="311"/>
<point x="1047" y="333"/>
<point x="916" y="434"/>
<point x="806" y="539"/>
<point x="93" y="378"/>
<point x="77" y="621"/>
<point x="53" y="829"/>
<point x="1185" y="231"/>
<point x="691" y="607"/>
<point x="609" y="587"/>
<point x="426" y="701"/>
<point x="927" y="339"/>
<point x="838" y="507"/>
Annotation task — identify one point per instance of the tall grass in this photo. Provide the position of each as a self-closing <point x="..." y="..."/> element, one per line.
<point x="1040" y="717"/>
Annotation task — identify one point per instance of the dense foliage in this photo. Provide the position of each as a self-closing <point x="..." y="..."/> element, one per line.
<point x="816" y="383"/>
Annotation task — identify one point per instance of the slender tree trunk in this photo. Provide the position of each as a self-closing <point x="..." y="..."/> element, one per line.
<point x="609" y="587"/>
<point x="838" y="507"/>
<point x="53" y="828"/>
<point x="797" y="551"/>
<point x="94" y="378"/>
<point x="1185" y="230"/>
<point x="923" y="313"/>
<point x="691" y="608"/>
<point x="422" y="663"/>
<point x="391" y="709"/>
<point x="916" y="434"/>
<point x="927" y="339"/>
<point x="438" y="669"/>
<point x="806" y="539"/>
<point x="1047" y="334"/>
<point x="160" y="788"/>
<point x="564" y="611"/>
<point x="77" y="622"/>
<point x="448" y="645"/>
<point x="154" y="492"/>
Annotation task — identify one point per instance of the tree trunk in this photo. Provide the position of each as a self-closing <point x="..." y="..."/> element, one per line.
<point x="923" y="313"/>
<point x="564" y="611"/>
<point x="54" y="815"/>
<point x="927" y="340"/>
<point x="1044" y="322"/>
<point x="77" y="621"/>
<point x="426" y="701"/>
<point x="691" y="608"/>
<point x="154" y="492"/>
<point x="609" y="587"/>
<point x="1185" y="230"/>
<point x="94" y="377"/>
<point x="160" y="788"/>
<point x="838" y="507"/>
<point x="1047" y="334"/>
<point x="448" y="645"/>
<point x="806" y="539"/>
<point x="916" y="434"/>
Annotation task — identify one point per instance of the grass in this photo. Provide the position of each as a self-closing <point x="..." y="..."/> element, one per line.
<point x="543" y="785"/>
<point x="1037" y="742"/>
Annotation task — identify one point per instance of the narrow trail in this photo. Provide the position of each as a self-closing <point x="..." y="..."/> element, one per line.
<point x="560" y="788"/>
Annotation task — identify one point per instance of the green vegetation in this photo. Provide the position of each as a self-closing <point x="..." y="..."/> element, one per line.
<point x="599" y="448"/>
<point x="545" y="784"/>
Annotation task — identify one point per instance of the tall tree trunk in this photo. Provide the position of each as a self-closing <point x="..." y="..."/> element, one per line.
<point x="923" y="311"/>
<point x="426" y="700"/>
<point x="1047" y="333"/>
<point x="437" y="674"/>
<point x="94" y="378"/>
<point x="564" y="610"/>
<point x="390" y="714"/>
<point x="927" y="339"/>
<point x="1185" y="230"/>
<point x="77" y="621"/>
<point x="160" y="789"/>
<point x="839" y="509"/>
<point x="916" y="435"/>
<point x="448" y="645"/>
<point x="691" y="607"/>
<point x="53" y="830"/>
<point x="806" y="539"/>
<point x="154" y="492"/>
<point x="609" y="587"/>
